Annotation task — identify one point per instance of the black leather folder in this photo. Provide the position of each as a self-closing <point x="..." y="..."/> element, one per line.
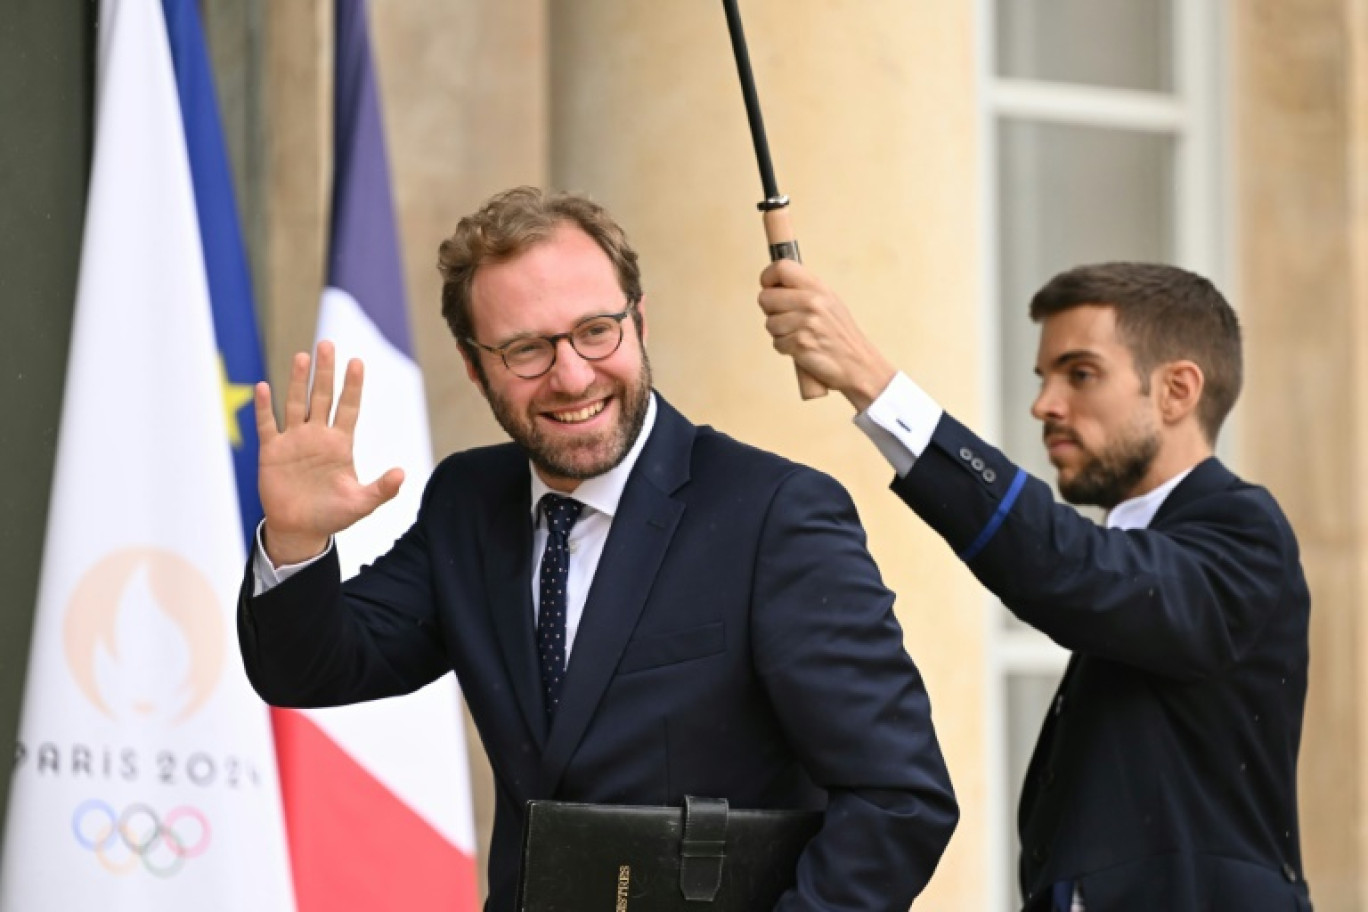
<point x="703" y="857"/>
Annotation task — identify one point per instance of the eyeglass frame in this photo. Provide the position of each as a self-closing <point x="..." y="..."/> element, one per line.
<point x="554" y="340"/>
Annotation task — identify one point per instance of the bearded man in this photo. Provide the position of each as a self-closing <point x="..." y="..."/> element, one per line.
<point x="1165" y="774"/>
<point x="637" y="608"/>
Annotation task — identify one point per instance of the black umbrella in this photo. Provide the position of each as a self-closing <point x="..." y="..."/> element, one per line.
<point x="782" y="243"/>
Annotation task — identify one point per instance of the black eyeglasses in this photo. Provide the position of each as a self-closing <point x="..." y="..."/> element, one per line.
<point x="593" y="339"/>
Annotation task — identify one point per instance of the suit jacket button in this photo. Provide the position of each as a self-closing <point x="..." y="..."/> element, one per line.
<point x="1289" y="872"/>
<point x="966" y="454"/>
<point x="1059" y="704"/>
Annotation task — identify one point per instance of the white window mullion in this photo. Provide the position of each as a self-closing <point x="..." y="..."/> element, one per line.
<point x="1022" y="112"/>
<point x="1001" y="890"/>
<point x="1198" y="203"/>
<point x="1027" y="652"/>
<point x="1089" y="106"/>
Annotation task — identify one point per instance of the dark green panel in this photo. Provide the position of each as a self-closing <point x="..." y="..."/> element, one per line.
<point x="46" y="86"/>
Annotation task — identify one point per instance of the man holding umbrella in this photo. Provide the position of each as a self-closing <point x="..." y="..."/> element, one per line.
<point x="1165" y="774"/>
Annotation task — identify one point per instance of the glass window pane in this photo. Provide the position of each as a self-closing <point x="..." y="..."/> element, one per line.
<point x="1028" y="699"/>
<point x="1068" y="195"/>
<point x="1125" y="44"/>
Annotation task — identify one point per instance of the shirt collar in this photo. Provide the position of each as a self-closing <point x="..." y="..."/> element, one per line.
<point x="602" y="492"/>
<point x="1138" y="512"/>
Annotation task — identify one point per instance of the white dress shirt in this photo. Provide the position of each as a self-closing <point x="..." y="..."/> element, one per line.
<point x="1138" y="512"/>
<point x="600" y="496"/>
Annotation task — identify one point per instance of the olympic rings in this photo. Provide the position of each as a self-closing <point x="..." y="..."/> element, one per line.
<point x="140" y="834"/>
<point x="174" y="817"/>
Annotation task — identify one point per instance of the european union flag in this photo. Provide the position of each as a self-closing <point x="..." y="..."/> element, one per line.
<point x="225" y="257"/>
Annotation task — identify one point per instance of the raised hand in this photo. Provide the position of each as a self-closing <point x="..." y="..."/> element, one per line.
<point x="306" y="475"/>
<point x="809" y="323"/>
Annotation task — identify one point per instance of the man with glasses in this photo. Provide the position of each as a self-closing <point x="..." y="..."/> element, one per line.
<point x="638" y="609"/>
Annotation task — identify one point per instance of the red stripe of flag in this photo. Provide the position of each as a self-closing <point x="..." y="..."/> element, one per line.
<point x="348" y="833"/>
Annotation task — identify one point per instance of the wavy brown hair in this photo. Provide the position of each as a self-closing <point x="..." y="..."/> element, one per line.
<point x="510" y="223"/>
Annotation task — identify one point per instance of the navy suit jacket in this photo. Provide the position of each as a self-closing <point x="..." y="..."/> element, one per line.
<point x="737" y="642"/>
<point x="1165" y="774"/>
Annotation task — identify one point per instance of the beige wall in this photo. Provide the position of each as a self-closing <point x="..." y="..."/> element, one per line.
<point x="872" y="113"/>
<point x="479" y="96"/>
<point x="288" y="257"/>
<point x="1301" y="90"/>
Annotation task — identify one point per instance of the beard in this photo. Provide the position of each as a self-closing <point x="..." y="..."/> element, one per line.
<point x="1107" y="477"/>
<point x="588" y="455"/>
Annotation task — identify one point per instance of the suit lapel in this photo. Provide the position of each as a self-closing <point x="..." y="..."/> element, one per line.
<point x="642" y="529"/>
<point x="1207" y="477"/>
<point x="508" y="574"/>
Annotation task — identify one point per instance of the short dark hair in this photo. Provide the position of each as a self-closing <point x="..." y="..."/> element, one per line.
<point x="1163" y="314"/>
<point x="510" y="223"/>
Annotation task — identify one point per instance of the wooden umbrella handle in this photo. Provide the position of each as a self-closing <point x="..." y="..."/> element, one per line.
<point x="783" y="245"/>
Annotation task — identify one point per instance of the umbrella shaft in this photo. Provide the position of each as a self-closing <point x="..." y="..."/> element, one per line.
<point x="753" y="115"/>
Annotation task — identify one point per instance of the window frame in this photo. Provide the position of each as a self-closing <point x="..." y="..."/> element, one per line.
<point x="1194" y="116"/>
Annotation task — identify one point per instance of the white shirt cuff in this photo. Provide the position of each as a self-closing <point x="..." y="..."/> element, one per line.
<point x="265" y="575"/>
<point x="900" y="422"/>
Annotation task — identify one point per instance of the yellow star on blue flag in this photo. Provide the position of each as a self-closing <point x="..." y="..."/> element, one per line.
<point x="236" y="396"/>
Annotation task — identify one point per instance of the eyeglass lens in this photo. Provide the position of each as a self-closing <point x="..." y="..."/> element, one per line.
<point x="592" y="340"/>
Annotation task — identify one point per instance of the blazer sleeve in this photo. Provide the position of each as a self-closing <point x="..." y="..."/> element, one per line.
<point x="1184" y="599"/>
<point x="831" y="655"/>
<point x="314" y="641"/>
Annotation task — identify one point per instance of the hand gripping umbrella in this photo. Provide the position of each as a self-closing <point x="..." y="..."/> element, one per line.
<point x="782" y="244"/>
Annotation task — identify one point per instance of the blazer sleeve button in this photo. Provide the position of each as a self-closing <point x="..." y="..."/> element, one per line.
<point x="1289" y="872"/>
<point x="966" y="454"/>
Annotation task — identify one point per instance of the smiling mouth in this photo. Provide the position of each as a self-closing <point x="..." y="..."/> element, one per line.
<point x="578" y="415"/>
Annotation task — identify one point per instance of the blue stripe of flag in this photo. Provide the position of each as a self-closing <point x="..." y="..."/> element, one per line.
<point x="364" y="254"/>
<point x="225" y="258"/>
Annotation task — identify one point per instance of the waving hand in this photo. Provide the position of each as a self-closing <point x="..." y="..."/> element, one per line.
<point x="306" y="474"/>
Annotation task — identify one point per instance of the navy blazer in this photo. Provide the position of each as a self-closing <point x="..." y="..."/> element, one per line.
<point x="1165" y="774"/>
<point x="737" y="642"/>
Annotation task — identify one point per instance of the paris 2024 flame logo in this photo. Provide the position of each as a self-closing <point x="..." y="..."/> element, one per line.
<point x="144" y="636"/>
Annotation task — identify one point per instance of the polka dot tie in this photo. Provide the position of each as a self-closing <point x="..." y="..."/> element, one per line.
<point x="560" y="513"/>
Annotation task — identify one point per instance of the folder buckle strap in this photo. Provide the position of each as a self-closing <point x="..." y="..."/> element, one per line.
<point x="704" y="848"/>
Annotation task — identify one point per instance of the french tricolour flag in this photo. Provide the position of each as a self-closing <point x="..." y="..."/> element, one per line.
<point x="377" y="796"/>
